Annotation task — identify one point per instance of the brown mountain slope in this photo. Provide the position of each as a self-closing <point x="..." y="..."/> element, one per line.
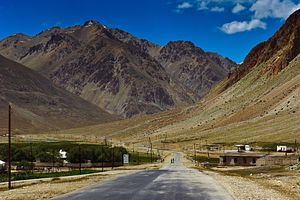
<point x="110" y="68"/>
<point x="283" y="47"/>
<point x="256" y="107"/>
<point x="39" y="105"/>
<point x="191" y="66"/>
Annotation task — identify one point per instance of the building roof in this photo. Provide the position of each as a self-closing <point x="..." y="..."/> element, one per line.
<point x="2" y="162"/>
<point x="243" y="154"/>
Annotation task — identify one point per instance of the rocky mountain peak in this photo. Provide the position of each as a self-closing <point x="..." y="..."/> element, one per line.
<point x="117" y="71"/>
<point x="175" y="51"/>
<point x="186" y="46"/>
<point x="93" y="23"/>
<point x="276" y="53"/>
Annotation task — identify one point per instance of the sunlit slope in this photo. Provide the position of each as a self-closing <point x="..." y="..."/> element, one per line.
<point x="252" y="110"/>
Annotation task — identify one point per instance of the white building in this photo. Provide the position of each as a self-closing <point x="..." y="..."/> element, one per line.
<point x="243" y="147"/>
<point x="62" y="154"/>
<point x="2" y="165"/>
<point x="281" y="148"/>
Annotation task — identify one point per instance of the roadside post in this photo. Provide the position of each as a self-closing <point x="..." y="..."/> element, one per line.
<point x="9" y="147"/>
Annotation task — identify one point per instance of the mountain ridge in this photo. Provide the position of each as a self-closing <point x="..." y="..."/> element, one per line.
<point x="113" y="69"/>
<point x="39" y="105"/>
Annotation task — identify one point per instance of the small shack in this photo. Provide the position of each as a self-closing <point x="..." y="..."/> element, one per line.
<point x="243" y="147"/>
<point x="239" y="158"/>
<point x="283" y="148"/>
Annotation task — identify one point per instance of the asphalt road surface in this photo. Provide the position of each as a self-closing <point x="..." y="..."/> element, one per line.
<point x="172" y="182"/>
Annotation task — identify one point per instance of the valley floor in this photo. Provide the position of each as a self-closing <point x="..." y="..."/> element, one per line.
<point x="260" y="186"/>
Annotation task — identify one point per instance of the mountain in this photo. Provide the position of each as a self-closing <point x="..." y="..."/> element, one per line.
<point x="116" y="71"/>
<point x="192" y="67"/>
<point x="258" y="102"/>
<point x="278" y="51"/>
<point x="39" y="105"/>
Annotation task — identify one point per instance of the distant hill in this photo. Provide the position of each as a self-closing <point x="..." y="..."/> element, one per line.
<point x="116" y="71"/>
<point x="39" y="105"/>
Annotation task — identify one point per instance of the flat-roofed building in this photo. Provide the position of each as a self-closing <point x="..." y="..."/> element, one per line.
<point x="240" y="158"/>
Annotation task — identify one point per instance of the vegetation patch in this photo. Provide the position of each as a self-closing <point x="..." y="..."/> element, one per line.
<point x="136" y="158"/>
<point x="28" y="175"/>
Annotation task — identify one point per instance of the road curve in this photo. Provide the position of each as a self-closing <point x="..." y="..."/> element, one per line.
<point x="173" y="182"/>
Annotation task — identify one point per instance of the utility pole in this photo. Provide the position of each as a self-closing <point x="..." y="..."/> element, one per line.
<point x="102" y="157"/>
<point x="164" y="145"/>
<point x="195" y="152"/>
<point x="31" y="157"/>
<point x="151" y="158"/>
<point x="9" y="147"/>
<point x="53" y="160"/>
<point x="207" y="149"/>
<point x="113" y="157"/>
<point x="79" y="149"/>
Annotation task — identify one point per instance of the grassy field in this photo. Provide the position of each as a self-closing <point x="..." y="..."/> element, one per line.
<point x="29" y="175"/>
<point x="136" y="158"/>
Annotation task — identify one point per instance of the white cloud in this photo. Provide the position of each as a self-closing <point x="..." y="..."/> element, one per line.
<point x="236" y="26"/>
<point x="238" y="8"/>
<point x="259" y="10"/>
<point x="203" y="5"/>
<point x="184" y="5"/>
<point x="217" y="9"/>
<point x="212" y="4"/>
<point x="274" y="8"/>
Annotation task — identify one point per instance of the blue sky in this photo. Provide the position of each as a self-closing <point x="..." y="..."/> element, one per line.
<point x="228" y="27"/>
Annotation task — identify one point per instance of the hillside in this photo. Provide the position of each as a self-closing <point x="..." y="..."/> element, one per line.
<point x="116" y="71"/>
<point x="39" y="105"/>
<point x="255" y="106"/>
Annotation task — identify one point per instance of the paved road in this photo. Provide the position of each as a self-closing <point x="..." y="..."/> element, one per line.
<point x="172" y="182"/>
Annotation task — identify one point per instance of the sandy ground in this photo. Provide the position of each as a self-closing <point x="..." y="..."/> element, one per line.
<point x="243" y="188"/>
<point x="258" y="187"/>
